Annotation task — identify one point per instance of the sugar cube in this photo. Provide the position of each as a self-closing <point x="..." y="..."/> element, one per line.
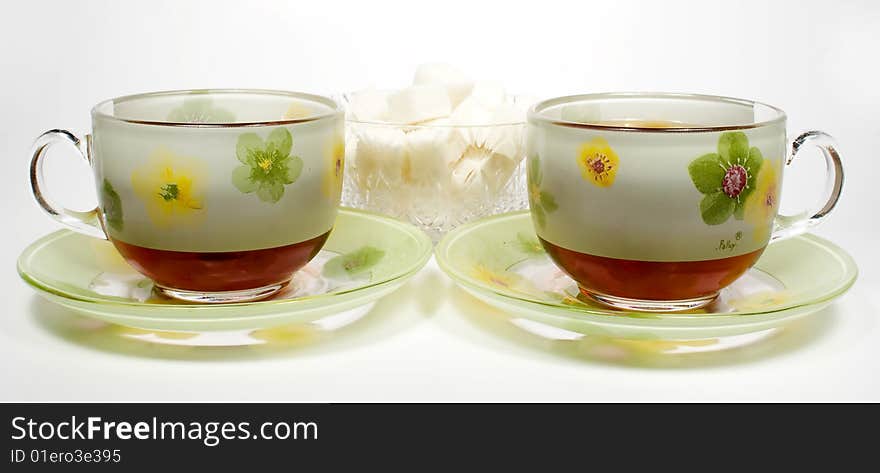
<point x="380" y="155"/>
<point x="458" y="85"/>
<point x="432" y="151"/>
<point x="480" y="169"/>
<point x="419" y="103"/>
<point x="369" y="105"/>
<point x="489" y="94"/>
<point x="471" y="112"/>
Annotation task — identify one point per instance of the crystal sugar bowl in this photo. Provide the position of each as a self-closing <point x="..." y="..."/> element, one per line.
<point x="436" y="173"/>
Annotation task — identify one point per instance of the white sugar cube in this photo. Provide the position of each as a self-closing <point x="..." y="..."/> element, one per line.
<point x="458" y="85"/>
<point x="489" y="94"/>
<point x="419" y="103"/>
<point x="471" y="112"/>
<point x="498" y="129"/>
<point x="480" y="169"/>
<point x="506" y="137"/>
<point x="369" y="105"/>
<point x="506" y="141"/>
<point x="380" y="155"/>
<point x="508" y="113"/>
<point x="432" y="151"/>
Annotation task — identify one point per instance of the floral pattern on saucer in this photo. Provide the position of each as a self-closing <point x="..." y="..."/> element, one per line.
<point x="124" y="282"/>
<point x="89" y="277"/>
<point x="498" y="261"/>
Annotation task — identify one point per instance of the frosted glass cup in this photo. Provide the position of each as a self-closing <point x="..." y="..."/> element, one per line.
<point x="656" y="202"/>
<point x="216" y="195"/>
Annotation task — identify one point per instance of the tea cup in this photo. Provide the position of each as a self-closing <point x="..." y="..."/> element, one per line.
<point x="216" y="195"/>
<point x="657" y="201"/>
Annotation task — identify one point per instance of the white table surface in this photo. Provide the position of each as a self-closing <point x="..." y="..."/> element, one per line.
<point x="430" y="341"/>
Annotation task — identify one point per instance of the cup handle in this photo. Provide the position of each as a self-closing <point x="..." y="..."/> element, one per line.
<point x="787" y="226"/>
<point x="88" y="223"/>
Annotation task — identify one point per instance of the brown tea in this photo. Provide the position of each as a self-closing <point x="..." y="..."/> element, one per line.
<point x="221" y="271"/>
<point x="650" y="280"/>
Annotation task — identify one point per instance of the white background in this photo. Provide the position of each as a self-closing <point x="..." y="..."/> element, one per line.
<point x="817" y="60"/>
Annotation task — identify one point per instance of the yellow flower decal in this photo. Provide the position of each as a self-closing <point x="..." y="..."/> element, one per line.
<point x="298" y="110"/>
<point x="137" y="332"/>
<point x="761" y="206"/>
<point x="660" y="347"/>
<point x="761" y="301"/>
<point x="170" y="187"/>
<point x="486" y="275"/>
<point x="598" y="162"/>
<point x="288" y="334"/>
<point x="503" y="279"/>
<point x="107" y="258"/>
<point x="331" y="184"/>
<point x="571" y="301"/>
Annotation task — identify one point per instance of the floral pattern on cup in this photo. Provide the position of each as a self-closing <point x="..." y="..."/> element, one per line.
<point x="541" y="201"/>
<point x="170" y="186"/>
<point x="200" y="110"/>
<point x="267" y="166"/>
<point x="111" y="206"/>
<point x="761" y="206"/>
<point x="298" y="110"/>
<point x="331" y="184"/>
<point x="598" y="162"/>
<point x="726" y="178"/>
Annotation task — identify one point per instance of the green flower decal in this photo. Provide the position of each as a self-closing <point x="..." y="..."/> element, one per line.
<point x="541" y="202"/>
<point x="112" y="206"/>
<point x="726" y="178"/>
<point x="200" y="110"/>
<point x="267" y="166"/>
<point x="354" y="263"/>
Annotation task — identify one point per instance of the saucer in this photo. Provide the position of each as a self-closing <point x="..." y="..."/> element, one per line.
<point x="366" y="257"/>
<point x="500" y="261"/>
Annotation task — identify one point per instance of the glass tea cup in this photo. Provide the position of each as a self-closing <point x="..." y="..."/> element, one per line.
<point x="215" y="195"/>
<point x="654" y="201"/>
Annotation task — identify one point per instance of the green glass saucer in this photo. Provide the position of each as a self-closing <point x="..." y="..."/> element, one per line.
<point x="366" y="257"/>
<point x="500" y="261"/>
